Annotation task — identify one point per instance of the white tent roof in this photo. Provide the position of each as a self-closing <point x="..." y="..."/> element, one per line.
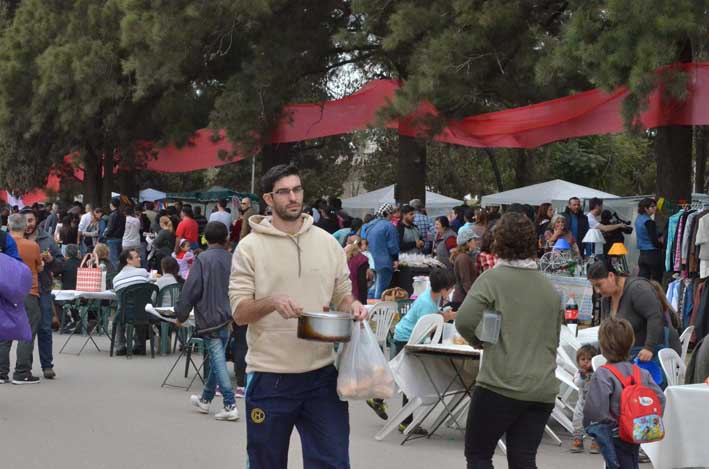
<point x="151" y="195"/>
<point x="537" y="194"/>
<point x="372" y="200"/>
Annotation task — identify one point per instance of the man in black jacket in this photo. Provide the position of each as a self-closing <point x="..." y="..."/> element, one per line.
<point x="113" y="235"/>
<point x="207" y="291"/>
<point x="576" y="221"/>
<point x="409" y="236"/>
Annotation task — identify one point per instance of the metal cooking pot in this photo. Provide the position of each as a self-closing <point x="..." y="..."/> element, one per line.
<point x="328" y="326"/>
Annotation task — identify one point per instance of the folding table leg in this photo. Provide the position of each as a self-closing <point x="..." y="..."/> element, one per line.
<point x="174" y="365"/>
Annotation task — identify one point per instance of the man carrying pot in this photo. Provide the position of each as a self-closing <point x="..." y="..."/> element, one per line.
<point x="284" y="267"/>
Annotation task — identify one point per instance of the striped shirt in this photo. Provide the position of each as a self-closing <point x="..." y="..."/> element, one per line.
<point x="128" y="276"/>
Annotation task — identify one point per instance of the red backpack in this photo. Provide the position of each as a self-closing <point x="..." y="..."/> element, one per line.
<point x="640" y="419"/>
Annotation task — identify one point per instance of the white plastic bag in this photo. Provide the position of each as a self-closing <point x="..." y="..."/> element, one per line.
<point x="364" y="372"/>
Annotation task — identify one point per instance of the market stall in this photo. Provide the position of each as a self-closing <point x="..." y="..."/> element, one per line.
<point x="537" y="194"/>
<point x="360" y="205"/>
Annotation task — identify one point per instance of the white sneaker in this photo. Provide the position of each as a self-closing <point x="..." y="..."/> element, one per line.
<point x="230" y="413"/>
<point x="202" y="406"/>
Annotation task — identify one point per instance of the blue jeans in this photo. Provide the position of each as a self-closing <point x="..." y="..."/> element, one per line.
<point x="218" y="374"/>
<point x="617" y="453"/>
<point x="277" y="402"/>
<point x="114" y="247"/>
<point x="44" y="332"/>
<point x="382" y="281"/>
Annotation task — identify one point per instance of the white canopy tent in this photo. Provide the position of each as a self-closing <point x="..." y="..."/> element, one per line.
<point x="360" y="205"/>
<point x="537" y="194"/>
<point x="151" y="195"/>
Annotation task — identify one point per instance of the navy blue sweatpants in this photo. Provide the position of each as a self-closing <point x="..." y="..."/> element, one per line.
<point x="275" y="403"/>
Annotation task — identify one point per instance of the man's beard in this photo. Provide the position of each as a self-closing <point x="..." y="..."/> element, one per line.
<point x="283" y="213"/>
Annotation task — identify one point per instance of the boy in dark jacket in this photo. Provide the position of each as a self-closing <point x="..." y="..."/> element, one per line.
<point x="206" y="290"/>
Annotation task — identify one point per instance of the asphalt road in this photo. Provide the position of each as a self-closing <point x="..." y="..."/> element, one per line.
<point x="106" y="413"/>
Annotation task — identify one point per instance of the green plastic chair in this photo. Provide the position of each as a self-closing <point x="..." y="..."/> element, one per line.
<point x="131" y="313"/>
<point x="167" y="297"/>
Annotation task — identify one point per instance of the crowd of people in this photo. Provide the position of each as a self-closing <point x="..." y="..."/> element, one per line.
<point x="248" y="276"/>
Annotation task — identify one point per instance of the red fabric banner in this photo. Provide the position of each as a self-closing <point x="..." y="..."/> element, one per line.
<point x="592" y="112"/>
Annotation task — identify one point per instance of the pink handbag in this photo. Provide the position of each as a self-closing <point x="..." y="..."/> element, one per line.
<point x="88" y="278"/>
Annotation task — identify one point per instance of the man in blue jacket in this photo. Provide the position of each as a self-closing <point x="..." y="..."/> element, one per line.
<point x="384" y="246"/>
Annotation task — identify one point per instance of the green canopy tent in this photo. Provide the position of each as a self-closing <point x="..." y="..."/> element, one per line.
<point x="213" y="194"/>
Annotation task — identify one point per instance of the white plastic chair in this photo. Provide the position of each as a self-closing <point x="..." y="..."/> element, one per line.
<point x="598" y="361"/>
<point x="684" y="340"/>
<point x="673" y="366"/>
<point x="381" y="316"/>
<point x="431" y="323"/>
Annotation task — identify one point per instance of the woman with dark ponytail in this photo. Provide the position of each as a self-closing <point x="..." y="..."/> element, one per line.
<point x="634" y="299"/>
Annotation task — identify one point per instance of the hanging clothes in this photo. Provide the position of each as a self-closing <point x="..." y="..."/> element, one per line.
<point x="677" y="265"/>
<point x="694" y="245"/>
<point x="672" y="225"/>
<point x="702" y="240"/>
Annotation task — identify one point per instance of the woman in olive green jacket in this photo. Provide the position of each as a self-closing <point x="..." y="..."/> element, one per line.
<point x="516" y="387"/>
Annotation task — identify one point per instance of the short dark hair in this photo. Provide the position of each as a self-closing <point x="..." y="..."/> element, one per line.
<point x="515" y="237"/>
<point x="440" y="279"/>
<point x="356" y="224"/>
<point x="600" y="270"/>
<point x="72" y="251"/>
<point x="406" y="209"/>
<point x="574" y="198"/>
<point x="445" y="223"/>
<point x="187" y="210"/>
<point x="595" y="202"/>
<point x="169" y="265"/>
<point x="197" y="210"/>
<point x="125" y="255"/>
<point x="221" y="203"/>
<point x="469" y="214"/>
<point x="275" y="174"/>
<point x="587" y="351"/>
<point x="616" y="338"/>
<point x="645" y="204"/>
<point x="215" y="232"/>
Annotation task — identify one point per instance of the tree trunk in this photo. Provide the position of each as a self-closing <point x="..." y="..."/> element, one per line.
<point x="495" y="168"/>
<point x="92" y="180"/>
<point x="523" y="168"/>
<point x="411" y="182"/>
<point x="273" y="155"/>
<point x="126" y="181"/>
<point x="673" y="152"/>
<point x="673" y="155"/>
<point x="107" y="186"/>
<point x="700" y="142"/>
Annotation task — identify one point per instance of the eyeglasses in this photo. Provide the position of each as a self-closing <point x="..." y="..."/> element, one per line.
<point x="285" y="192"/>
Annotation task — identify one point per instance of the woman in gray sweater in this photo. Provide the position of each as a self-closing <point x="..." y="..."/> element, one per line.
<point x="634" y="299"/>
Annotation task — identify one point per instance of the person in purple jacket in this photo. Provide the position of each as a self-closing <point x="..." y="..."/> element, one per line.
<point x="15" y="284"/>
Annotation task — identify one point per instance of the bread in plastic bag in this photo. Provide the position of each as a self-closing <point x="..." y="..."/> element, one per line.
<point x="364" y="372"/>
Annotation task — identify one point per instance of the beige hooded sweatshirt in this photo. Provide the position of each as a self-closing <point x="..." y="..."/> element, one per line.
<point x="311" y="268"/>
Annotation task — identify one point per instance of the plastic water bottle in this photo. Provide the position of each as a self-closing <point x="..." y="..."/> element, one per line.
<point x="571" y="313"/>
